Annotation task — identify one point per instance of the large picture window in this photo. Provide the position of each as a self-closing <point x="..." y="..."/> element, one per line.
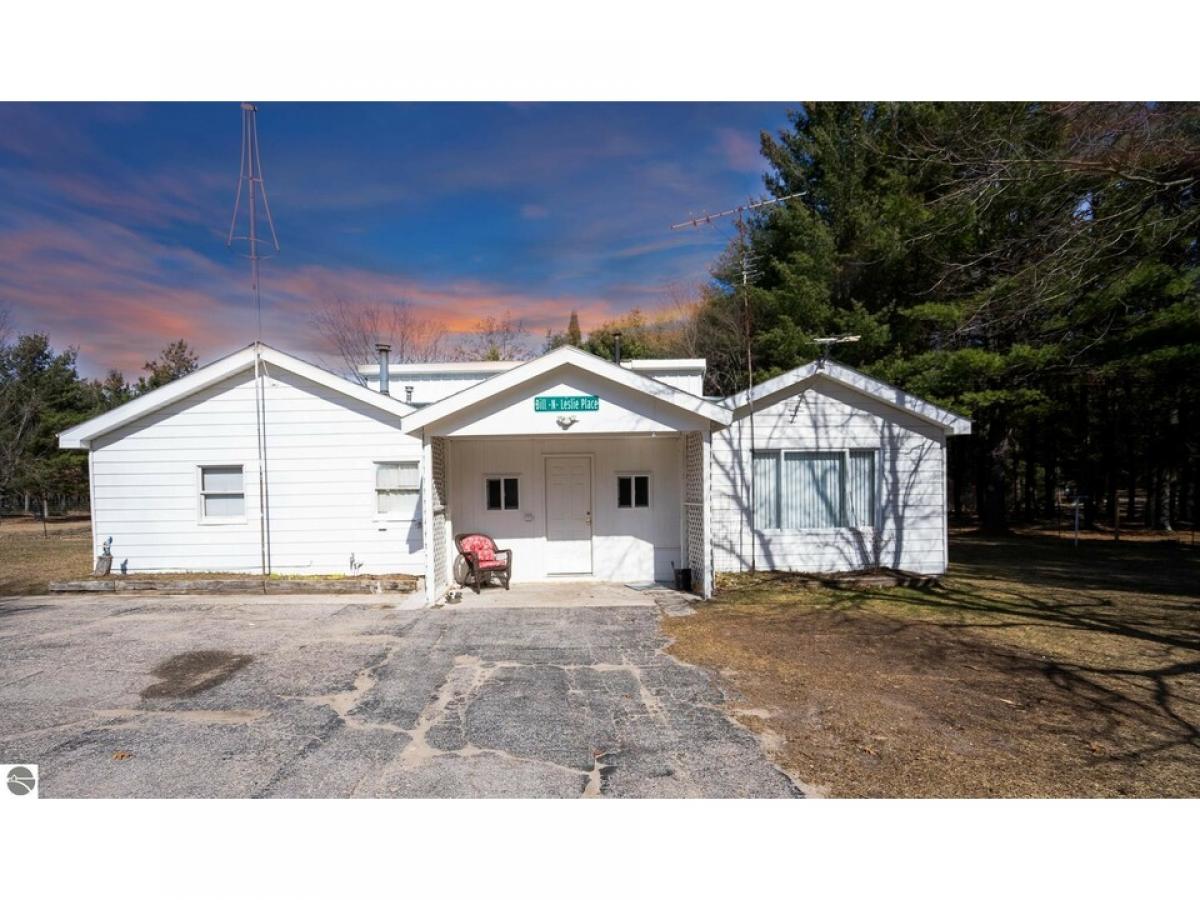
<point x="805" y="490"/>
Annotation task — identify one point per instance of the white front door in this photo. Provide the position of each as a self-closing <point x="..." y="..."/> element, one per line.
<point x="568" y="515"/>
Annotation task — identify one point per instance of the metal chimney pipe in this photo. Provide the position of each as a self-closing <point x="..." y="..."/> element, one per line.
<point x="617" y="347"/>
<point x="383" y="350"/>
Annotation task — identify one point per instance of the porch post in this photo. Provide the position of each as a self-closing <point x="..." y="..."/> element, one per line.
<point x="706" y="469"/>
<point x="427" y="493"/>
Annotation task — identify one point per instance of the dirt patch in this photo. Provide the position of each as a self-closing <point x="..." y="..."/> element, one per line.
<point x="1032" y="671"/>
<point x="193" y="673"/>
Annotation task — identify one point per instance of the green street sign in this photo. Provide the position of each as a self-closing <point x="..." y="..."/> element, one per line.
<point x="566" y="404"/>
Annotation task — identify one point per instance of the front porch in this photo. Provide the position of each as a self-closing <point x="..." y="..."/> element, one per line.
<point x="598" y="512"/>
<point x="586" y="471"/>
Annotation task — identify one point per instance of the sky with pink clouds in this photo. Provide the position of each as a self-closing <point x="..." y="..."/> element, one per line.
<point x="113" y="217"/>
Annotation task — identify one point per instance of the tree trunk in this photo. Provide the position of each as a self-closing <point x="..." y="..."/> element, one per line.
<point x="993" y="515"/>
<point x="1162" y="500"/>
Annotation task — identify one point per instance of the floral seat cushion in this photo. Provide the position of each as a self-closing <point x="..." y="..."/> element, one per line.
<point x="483" y="548"/>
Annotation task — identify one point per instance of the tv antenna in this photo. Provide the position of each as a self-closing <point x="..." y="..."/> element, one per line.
<point x="746" y="267"/>
<point x="826" y="342"/>
<point x="251" y="178"/>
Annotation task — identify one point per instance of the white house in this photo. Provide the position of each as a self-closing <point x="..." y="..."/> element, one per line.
<point x="585" y="469"/>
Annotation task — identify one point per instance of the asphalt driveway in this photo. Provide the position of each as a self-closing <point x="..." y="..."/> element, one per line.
<point x="199" y="697"/>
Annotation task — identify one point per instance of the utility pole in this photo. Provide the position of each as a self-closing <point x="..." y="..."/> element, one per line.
<point x="251" y="178"/>
<point x="746" y="266"/>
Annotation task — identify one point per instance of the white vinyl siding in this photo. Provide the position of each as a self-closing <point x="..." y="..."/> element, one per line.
<point x="321" y="451"/>
<point x="398" y="489"/>
<point x="222" y="494"/>
<point x="894" y="491"/>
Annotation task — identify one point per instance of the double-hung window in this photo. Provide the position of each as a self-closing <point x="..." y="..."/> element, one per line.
<point x="798" y="490"/>
<point x="222" y="494"/>
<point x="397" y="489"/>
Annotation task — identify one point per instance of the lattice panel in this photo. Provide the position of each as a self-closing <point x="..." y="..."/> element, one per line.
<point x="437" y="485"/>
<point x="694" y="507"/>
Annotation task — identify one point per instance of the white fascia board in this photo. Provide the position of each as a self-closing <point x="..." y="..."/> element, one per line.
<point x="666" y="365"/>
<point x="80" y="436"/>
<point x="444" y="368"/>
<point x="554" y="359"/>
<point x="886" y="393"/>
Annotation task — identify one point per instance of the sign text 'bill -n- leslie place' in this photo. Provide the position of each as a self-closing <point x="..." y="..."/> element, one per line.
<point x="566" y="404"/>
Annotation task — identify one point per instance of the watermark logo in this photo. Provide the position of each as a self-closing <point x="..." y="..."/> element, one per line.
<point x="21" y="781"/>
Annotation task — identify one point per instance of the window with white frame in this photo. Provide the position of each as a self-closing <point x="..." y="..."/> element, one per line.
<point x="222" y="493"/>
<point x="633" y="491"/>
<point x="503" y="492"/>
<point x="397" y="489"/>
<point x="802" y="490"/>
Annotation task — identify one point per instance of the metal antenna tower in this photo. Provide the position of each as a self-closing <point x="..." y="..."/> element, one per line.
<point x="746" y="266"/>
<point x="250" y="177"/>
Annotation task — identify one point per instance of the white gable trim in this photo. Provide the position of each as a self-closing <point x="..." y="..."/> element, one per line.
<point x="80" y="436"/>
<point x="565" y="356"/>
<point x="951" y="423"/>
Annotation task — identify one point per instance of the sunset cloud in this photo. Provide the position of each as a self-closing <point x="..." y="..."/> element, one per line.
<point x="113" y="217"/>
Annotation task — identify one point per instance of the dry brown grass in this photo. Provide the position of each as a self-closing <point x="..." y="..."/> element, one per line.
<point x="1035" y="669"/>
<point x="30" y="558"/>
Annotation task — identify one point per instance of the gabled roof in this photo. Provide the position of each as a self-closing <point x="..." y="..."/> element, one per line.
<point x="951" y="423"/>
<point x="81" y="435"/>
<point x="576" y="358"/>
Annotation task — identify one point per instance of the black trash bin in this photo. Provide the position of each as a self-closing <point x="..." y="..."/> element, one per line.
<point x="683" y="579"/>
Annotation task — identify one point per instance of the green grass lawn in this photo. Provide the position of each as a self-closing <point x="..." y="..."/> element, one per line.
<point x="1034" y="669"/>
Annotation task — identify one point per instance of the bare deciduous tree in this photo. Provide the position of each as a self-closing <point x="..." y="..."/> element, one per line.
<point x="495" y="339"/>
<point x="351" y="329"/>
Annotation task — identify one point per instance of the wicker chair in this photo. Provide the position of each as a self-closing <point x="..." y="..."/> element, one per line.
<point x="483" y="559"/>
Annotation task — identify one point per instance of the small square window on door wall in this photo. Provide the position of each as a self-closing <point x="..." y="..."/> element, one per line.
<point x="503" y="492"/>
<point x="633" y="491"/>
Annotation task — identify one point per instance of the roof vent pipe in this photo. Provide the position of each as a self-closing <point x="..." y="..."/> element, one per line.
<point x="383" y="350"/>
<point x="408" y="389"/>
<point x="617" y="347"/>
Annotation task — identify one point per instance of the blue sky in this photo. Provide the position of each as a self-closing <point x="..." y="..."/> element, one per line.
<point x="113" y="217"/>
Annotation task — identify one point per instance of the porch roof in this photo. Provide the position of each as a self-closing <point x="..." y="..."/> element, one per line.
<point x="564" y="358"/>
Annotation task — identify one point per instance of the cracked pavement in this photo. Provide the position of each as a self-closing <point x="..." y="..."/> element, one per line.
<point x="362" y="700"/>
